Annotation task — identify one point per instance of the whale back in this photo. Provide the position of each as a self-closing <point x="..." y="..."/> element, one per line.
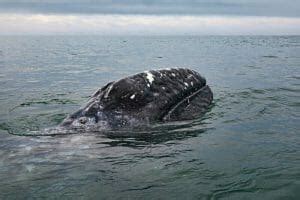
<point x="156" y="95"/>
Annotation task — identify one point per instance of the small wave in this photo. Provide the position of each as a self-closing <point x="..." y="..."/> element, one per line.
<point x="270" y="56"/>
<point x="147" y="187"/>
<point x="240" y="186"/>
<point x="294" y="104"/>
<point x="257" y="91"/>
<point x="253" y="67"/>
<point x="45" y="102"/>
<point x="295" y="77"/>
<point x="289" y="89"/>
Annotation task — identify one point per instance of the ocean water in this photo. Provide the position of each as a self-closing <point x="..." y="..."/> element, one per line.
<point x="247" y="146"/>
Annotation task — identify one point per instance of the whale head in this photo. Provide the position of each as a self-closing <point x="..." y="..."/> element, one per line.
<point x="156" y="95"/>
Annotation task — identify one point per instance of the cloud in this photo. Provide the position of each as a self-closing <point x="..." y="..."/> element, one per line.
<point x="284" y="8"/>
<point x="146" y="24"/>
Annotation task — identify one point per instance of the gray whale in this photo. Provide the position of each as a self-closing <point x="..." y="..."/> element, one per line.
<point x="147" y="97"/>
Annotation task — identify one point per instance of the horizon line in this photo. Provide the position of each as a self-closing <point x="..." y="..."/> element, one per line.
<point x="116" y="24"/>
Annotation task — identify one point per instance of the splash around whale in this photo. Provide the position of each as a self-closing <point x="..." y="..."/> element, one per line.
<point x="144" y="98"/>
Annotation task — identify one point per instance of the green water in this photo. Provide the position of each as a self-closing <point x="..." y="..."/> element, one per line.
<point x="246" y="147"/>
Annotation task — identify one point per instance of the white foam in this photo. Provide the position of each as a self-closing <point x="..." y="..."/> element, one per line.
<point x="185" y="83"/>
<point x="173" y="74"/>
<point x="28" y="148"/>
<point x="29" y="168"/>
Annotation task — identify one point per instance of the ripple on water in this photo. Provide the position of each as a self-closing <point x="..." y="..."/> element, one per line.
<point x="245" y="147"/>
<point x="44" y="102"/>
<point x="270" y="56"/>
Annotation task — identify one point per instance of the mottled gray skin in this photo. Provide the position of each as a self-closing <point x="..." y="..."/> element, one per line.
<point x="152" y="96"/>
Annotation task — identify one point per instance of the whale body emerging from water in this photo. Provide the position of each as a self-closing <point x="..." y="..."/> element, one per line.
<point x="147" y="97"/>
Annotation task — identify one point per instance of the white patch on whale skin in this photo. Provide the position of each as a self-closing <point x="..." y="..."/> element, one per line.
<point x="108" y="91"/>
<point x="149" y="77"/>
<point x="190" y="75"/>
<point x="132" y="96"/>
<point x="93" y="105"/>
<point x="96" y="92"/>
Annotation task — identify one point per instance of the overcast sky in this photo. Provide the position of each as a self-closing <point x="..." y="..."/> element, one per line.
<point x="216" y="17"/>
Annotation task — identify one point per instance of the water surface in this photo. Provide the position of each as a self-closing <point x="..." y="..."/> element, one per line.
<point x="246" y="147"/>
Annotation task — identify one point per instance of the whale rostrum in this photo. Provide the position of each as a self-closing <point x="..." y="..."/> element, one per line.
<point x="147" y="97"/>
